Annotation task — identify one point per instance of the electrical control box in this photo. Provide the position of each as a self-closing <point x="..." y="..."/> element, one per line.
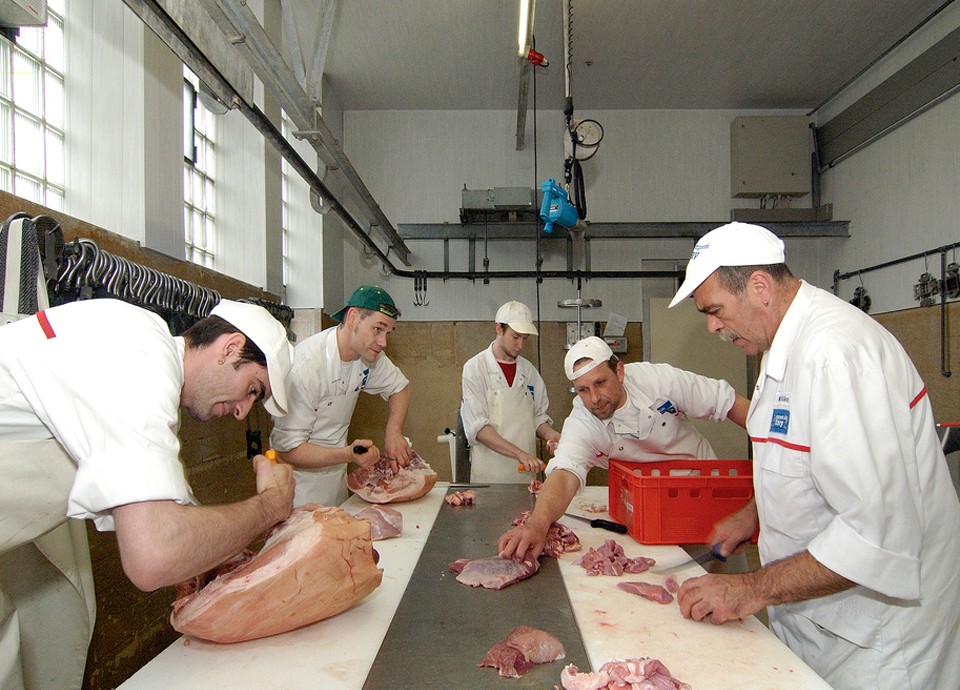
<point x="770" y="156"/>
<point x="587" y="328"/>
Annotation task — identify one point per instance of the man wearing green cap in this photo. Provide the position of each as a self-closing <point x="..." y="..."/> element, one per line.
<point x="329" y="371"/>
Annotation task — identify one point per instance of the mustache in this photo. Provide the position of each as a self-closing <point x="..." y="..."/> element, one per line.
<point x="728" y="336"/>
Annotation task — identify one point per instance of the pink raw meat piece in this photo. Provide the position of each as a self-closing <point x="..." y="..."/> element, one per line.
<point x="524" y="648"/>
<point x="643" y="673"/>
<point x="610" y="559"/>
<point x="385" y="523"/>
<point x="379" y="484"/>
<point x="493" y="572"/>
<point x="647" y="591"/>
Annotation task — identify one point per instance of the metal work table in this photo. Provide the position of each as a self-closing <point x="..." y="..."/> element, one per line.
<point x="422" y="629"/>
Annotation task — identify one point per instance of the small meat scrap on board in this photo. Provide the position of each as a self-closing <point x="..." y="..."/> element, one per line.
<point x="524" y="648"/>
<point x="385" y="523"/>
<point x="461" y="498"/>
<point x="587" y="507"/>
<point x="314" y="565"/>
<point x="380" y="484"/>
<point x="671" y="584"/>
<point x="610" y="559"/>
<point x="493" y="572"/>
<point x="560" y="538"/>
<point x="631" y="674"/>
<point x="534" y="487"/>
<point x="647" y="591"/>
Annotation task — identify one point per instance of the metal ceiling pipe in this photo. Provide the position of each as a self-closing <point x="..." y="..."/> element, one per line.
<point x="269" y="65"/>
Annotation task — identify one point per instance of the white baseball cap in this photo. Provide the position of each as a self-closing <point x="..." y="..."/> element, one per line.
<point x="733" y="244"/>
<point x="270" y="336"/>
<point x="517" y="315"/>
<point x="589" y="348"/>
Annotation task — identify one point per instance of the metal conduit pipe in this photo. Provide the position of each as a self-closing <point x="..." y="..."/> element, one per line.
<point x="154" y="16"/>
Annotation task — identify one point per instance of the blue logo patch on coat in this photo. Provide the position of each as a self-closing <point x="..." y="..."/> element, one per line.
<point x="780" y="421"/>
<point x="668" y="408"/>
<point x="530" y="390"/>
<point x="363" y="382"/>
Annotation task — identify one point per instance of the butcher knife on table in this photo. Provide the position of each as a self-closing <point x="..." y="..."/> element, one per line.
<point x="601" y="524"/>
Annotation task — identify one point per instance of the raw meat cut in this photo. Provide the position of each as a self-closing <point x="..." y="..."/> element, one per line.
<point x="493" y="572"/>
<point x="535" y="485"/>
<point x="610" y="559"/>
<point x="524" y="648"/>
<point x="385" y="523"/>
<point x="379" y="484"/>
<point x="560" y="538"/>
<point x="671" y="584"/>
<point x="317" y="563"/>
<point x="647" y="591"/>
<point x="631" y="674"/>
<point x="461" y="498"/>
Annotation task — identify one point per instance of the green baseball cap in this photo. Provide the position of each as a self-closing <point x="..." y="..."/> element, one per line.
<point x="369" y="297"/>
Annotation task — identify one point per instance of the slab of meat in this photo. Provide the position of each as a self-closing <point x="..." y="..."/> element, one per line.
<point x="610" y="559"/>
<point x="647" y="591"/>
<point x="314" y="565"/>
<point x="385" y="523"/>
<point x="493" y="572"/>
<point x="631" y="674"/>
<point x="524" y="648"/>
<point x="560" y="538"/>
<point x="379" y="484"/>
<point x="461" y="498"/>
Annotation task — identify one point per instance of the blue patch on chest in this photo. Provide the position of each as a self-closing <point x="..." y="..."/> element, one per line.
<point x="363" y="382"/>
<point x="668" y="408"/>
<point x="780" y="421"/>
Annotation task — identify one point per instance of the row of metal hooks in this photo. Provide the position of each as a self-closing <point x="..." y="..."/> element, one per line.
<point x="420" y="289"/>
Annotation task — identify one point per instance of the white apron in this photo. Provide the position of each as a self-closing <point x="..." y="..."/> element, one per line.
<point x="327" y="485"/>
<point x="511" y="413"/>
<point x="47" y="606"/>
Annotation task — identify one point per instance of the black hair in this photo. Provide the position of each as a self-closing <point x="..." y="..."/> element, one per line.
<point x="206" y="331"/>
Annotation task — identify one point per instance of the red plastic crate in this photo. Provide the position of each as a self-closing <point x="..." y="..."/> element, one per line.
<point x="677" y="501"/>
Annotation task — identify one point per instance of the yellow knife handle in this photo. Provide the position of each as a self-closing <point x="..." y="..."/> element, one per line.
<point x="271" y="455"/>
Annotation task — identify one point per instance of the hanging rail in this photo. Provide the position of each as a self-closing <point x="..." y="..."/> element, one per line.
<point x="942" y="251"/>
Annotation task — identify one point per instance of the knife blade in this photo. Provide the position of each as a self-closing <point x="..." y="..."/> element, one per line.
<point x="702" y="559"/>
<point x="600" y="523"/>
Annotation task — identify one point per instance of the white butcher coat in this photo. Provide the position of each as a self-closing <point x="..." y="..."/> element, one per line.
<point x="322" y="393"/>
<point x="515" y="412"/>
<point x="652" y="425"/>
<point x="88" y="421"/>
<point x="848" y="466"/>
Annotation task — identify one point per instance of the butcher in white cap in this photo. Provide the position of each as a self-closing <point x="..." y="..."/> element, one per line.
<point x="857" y="513"/>
<point x="504" y="404"/>
<point x="90" y="400"/>
<point x="634" y="412"/>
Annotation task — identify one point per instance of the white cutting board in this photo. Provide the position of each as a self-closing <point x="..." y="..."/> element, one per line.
<point x="618" y="625"/>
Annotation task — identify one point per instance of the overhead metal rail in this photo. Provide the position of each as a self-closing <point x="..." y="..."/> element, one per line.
<point x="244" y="32"/>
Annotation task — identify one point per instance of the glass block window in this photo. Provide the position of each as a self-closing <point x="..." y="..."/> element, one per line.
<point x="32" y="111"/>
<point x="199" y="175"/>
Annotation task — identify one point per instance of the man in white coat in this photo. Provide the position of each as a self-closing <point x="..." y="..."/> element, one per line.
<point x="638" y="412"/>
<point x="329" y="370"/>
<point x="859" y="520"/>
<point x="504" y="404"/>
<point x="90" y="398"/>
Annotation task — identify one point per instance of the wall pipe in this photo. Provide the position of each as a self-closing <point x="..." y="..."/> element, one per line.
<point x="942" y="251"/>
<point x="154" y="16"/>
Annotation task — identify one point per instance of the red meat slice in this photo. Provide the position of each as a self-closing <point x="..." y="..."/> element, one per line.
<point x="524" y="648"/>
<point x="316" y="564"/>
<point x="461" y="498"/>
<point x="647" y="591"/>
<point x="380" y="484"/>
<point x="631" y="674"/>
<point x="493" y="572"/>
<point x="560" y="538"/>
<point x="385" y="523"/>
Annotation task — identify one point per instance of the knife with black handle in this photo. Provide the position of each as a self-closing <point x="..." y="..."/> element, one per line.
<point x="600" y="523"/>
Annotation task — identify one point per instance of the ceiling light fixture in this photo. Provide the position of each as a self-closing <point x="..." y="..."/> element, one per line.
<point x="525" y="27"/>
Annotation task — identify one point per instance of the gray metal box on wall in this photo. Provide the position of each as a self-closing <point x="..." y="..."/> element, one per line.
<point x="770" y="156"/>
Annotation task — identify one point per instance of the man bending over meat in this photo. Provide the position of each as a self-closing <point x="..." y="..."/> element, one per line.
<point x="635" y="412"/>
<point x="90" y="398"/>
